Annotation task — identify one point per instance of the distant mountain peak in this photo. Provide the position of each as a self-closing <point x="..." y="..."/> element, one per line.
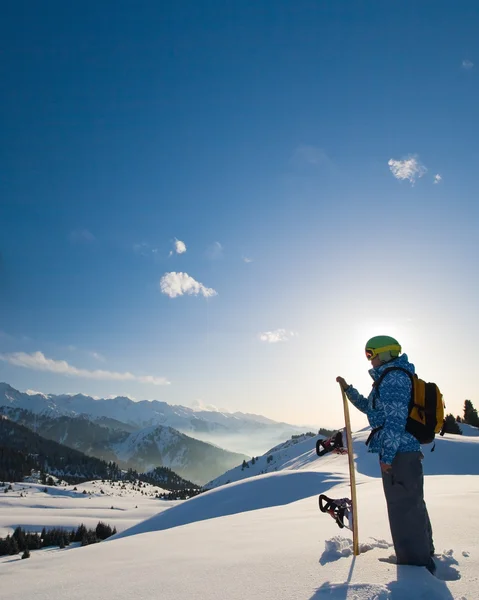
<point x="244" y="433"/>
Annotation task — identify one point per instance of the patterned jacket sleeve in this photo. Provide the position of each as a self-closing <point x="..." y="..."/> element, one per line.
<point x="395" y="394"/>
<point x="360" y="402"/>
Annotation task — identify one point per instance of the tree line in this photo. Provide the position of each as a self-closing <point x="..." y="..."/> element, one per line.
<point x="469" y="417"/>
<point x="24" y="541"/>
<point x="23" y="451"/>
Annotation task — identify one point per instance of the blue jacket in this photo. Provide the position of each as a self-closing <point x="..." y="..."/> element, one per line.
<point x="388" y="409"/>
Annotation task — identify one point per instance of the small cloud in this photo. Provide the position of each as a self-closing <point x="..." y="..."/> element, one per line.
<point x="437" y="178"/>
<point x="113" y="396"/>
<point x="81" y="236"/>
<point x="14" y="338"/>
<point x="34" y="393"/>
<point x="215" y="251"/>
<point x="200" y="405"/>
<point x="409" y="168"/>
<point x="37" y="361"/>
<point x="467" y="64"/>
<point x="97" y="356"/>
<point x="278" y="335"/>
<point x="177" y="284"/>
<point x="247" y="260"/>
<point x="180" y="247"/>
<point x="305" y="155"/>
<point x="144" y="249"/>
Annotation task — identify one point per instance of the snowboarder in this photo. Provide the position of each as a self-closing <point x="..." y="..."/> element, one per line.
<point x="400" y="456"/>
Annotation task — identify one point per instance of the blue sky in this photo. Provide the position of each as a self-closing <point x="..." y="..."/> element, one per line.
<point x="318" y="161"/>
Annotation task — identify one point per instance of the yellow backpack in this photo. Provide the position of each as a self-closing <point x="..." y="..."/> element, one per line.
<point x="426" y="407"/>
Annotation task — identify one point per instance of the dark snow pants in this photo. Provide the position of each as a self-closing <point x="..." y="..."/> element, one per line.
<point x="408" y="517"/>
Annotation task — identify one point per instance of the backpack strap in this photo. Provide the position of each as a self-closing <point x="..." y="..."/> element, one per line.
<point x="376" y="385"/>
<point x="372" y="434"/>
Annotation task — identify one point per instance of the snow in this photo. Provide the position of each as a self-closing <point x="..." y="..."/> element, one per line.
<point x="30" y="507"/>
<point x="469" y="430"/>
<point x="262" y="537"/>
<point x="164" y="438"/>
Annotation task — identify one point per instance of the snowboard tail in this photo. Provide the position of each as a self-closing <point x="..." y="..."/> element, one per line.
<point x="344" y="508"/>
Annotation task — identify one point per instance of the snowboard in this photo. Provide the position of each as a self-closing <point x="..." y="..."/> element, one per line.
<point x="352" y="475"/>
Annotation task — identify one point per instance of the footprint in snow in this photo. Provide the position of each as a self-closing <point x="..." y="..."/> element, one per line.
<point x="340" y="547"/>
<point x="445" y="565"/>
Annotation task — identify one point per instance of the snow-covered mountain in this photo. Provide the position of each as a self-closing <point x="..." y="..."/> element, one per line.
<point x="155" y="446"/>
<point x="245" y="433"/>
<point x="141" y="449"/>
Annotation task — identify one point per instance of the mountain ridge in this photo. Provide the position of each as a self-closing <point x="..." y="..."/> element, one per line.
<point x="243" y="433"/>
<point x="140" y="449"/>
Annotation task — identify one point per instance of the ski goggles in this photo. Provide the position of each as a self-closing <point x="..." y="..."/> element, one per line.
<point x="373" y="352"/>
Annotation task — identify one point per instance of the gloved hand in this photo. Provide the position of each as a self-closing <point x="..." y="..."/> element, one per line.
<point x="343" y="383"/>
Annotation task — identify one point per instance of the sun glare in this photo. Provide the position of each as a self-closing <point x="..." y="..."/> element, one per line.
<point x="400" y="329"/>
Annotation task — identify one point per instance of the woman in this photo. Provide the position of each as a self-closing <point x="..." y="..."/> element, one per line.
<point x="400" y="456"/>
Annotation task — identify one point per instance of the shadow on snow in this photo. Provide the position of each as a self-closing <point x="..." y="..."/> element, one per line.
<point x="264" y="491"/>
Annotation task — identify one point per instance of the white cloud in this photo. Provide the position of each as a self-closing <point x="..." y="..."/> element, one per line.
<point x="37" y="361"/>
<point x="34" y="393"/>
<point x="180" y="247"/>
<point x="215" y="251"/>
<point x="247" y="260"/>
<point x="200" y="405"/>
<point x="81" y="236"/>
<point x="437" y="178"/>
<point x="408" y="168"/>
<point x="177" y="284"/>
<point x="97" y="356"/>
<point x="467" y="64"/>
<point x="144" y="249"/>
<point x="278" y="335"/>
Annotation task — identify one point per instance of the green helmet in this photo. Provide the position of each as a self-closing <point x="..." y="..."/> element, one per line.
<point x="384" y="346"/>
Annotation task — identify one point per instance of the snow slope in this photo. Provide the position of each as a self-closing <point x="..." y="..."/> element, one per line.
<point x="121" y="505"/>
<point x="264" y="538"/>
<point x="447" y="458"/>
<point x="468" y="430"/>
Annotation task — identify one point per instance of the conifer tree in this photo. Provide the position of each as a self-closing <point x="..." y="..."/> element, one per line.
<point x="12" y="543"/>
<point x="470" y="414"/>
<point x="80" y="533"/>
<point x="451" y="426"/>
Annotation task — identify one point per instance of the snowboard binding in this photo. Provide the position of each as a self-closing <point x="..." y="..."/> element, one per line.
<point x="333" y="444"/>
<point x="338" y="509"/>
